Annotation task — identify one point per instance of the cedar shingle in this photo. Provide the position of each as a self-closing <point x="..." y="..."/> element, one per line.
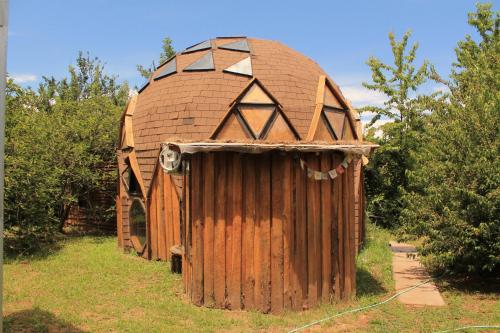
<point x="161" y="108"/>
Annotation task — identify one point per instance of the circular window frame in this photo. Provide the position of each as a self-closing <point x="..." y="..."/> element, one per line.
<point x="134" y="239"/>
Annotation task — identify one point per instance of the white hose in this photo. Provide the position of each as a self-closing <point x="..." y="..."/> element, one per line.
<point x="466" y="327"/>
<point x="298" y="329"/>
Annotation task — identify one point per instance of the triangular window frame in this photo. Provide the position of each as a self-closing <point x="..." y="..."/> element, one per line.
<point x="321" y="109"/>
<point x="267" y="127"/>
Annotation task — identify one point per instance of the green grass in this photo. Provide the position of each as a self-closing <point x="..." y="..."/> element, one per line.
<point x="88" y="285"/>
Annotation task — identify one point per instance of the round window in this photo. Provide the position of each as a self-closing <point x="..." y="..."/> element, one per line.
<point x="137" y="220"/>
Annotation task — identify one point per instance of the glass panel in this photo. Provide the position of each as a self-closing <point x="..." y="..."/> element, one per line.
<point x="170" y="68"/>
<point x="256" y="95"/>
<point x="330" y="99"/>
<point x="336" y="120"/>
<point x="133" y="185"/>
<point x="198" y="47"/>
<point x="256" y="117"/>
<point x="144" y="86"/>
<point x="280" y="131"/>
<point x="126" y="177"/>
<point x="243" y="67"/>
<point x="348" y="135"/>
<point x="233" y="130"/>
<point x="137" y="220"/>
<point x="322" y="132"/>
<point x="205" y="63"/>
<point x="240" y="45"/>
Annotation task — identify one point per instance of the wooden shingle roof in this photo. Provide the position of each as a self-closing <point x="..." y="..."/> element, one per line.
<point x="189" y="105"/>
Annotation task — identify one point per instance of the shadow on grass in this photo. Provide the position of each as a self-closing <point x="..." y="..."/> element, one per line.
<point x="367" y="285"/>
<point x="50" y="247"/>
<point x="37" y="321"/>
<point x="470" y="284"/>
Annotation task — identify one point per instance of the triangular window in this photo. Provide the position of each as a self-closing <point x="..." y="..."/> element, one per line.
<point x="130" y="180"/>
<point x="242" y="67"/>
<point x="240" y="45"/>
<point x="199" y="47"/>
<point x="205" y="63"/>
<point x="333" y="121"/>
<point x="255" y="115"/>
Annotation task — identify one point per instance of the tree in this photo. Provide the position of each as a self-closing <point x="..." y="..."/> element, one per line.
<point x="58" y="141"/>
<point x="454" y="193"/>
<point x="386" y="175"/>
<point x="166" y="53"/>
<point x="87" y="80"/>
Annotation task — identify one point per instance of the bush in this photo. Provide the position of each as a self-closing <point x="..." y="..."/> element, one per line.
<point x="57" y="141"/>
<point x="454" y="197"/>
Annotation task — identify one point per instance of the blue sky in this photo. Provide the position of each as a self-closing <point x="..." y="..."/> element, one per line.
<point x="45" y="36"/>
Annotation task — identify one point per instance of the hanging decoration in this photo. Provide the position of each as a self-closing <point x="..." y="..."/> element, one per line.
<point x="330" y="174"/>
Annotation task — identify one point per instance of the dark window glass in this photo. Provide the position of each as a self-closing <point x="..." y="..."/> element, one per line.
<point x="138" y="221"/>
<point x="133" y="185"/>
<point x="130" y="180"/>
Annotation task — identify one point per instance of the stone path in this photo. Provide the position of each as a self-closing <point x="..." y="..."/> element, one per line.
<point x="408" y="271"/>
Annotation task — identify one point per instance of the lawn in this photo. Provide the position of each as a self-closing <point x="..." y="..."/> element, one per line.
<point x="88" y="285"/>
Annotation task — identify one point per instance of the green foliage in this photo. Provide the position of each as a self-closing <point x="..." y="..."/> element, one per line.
<point x="59" y="142"/>
<point x="167" y="51"/>
<point x="454" y="202"/>
<point x="386" y="176"/>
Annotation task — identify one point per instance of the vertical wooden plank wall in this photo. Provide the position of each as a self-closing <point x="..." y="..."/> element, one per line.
<point x="359" y="210"/>
<point x="262" y="235"/>
<point x="163" y="216"/>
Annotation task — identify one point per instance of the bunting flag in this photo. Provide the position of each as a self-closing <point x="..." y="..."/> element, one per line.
<point x="310" y="172"/>
<point x="330" y="174"/>
<point x="340" y="169"/>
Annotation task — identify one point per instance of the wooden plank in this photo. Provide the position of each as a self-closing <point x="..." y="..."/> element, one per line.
<point x="249" y="221"/>
<point x="262" y="243"/>
<point x="188" y="229"/>
<point x="335" y="287"/>
<point x="313" y="239"/>
<point x="176" y="213"/>
<point x="208" y="237"/>
<point x="362" y="209"/>
<point x="128" y="141"/>
<point x="184" y="242"/>
<point x="197" y="211"/>
<point x="352" y="235"/>
<point x="167" y="201"/>
<point x="160" y="210"/>
<point x="119" y="218"/>
<point x="320" y="93"/>
<point x="346" y="244"/>
<point x="326" y="225"/>
<point x="153" y="223"/>
<point x="137" y="171"/>
<point x="301" y="250"/>
<point x="131" y="106"/>
<point x="356" y="163"/>
<point x="220" y="229"/>
<point x="229" y="228"/>
<point x="236" y="210"/>
<point x="339" y="284"/>
<point x="277" y="197"/>
<point x="288" y="234"/>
